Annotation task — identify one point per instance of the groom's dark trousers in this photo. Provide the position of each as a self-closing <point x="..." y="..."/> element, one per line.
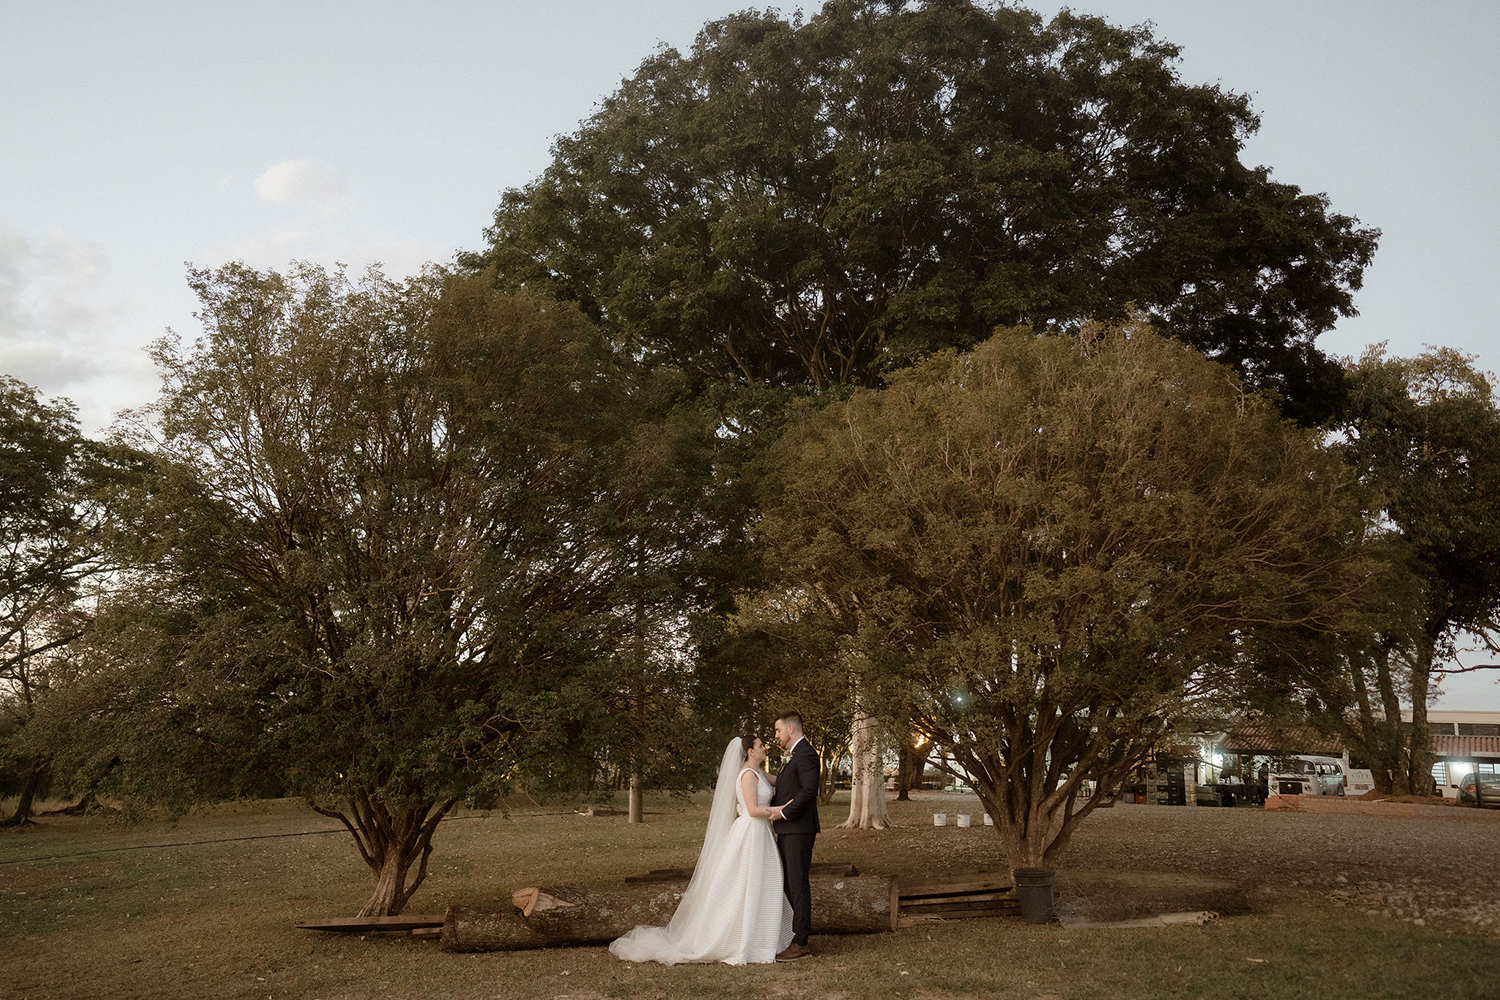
<point x="797" y="794"/>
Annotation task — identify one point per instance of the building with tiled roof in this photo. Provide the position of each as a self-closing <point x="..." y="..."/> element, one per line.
<point x="1462" y="743"/>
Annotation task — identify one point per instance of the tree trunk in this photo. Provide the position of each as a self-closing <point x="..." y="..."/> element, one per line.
<point x="1034" y="804"/>
<point x="1369" y="733"/>
<point x="36" y="779"/>
<point x="391" y="892"/>
<point x="867" y="805"/>
<point x="559" y="916"/>
<point x="1395" y="757"/>
<point x="828" y="771"/>
<point x="82" y="807"/>
<point x="1025" y="831"/>
<point x="391" y="841"/>
<point x="1421" y="780"/>
<point x="913" y="762"/>
<point x="1024" y="848"/>
<point x="636" y="811"/>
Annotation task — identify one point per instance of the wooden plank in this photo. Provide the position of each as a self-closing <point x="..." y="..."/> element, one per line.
<point x="975" y="896"/>
<point x="954" y="888"/>
<point x="994" y="900"/>
<point x="959" y="904"/>
<point x="932" y="918"/>
<point x="350" y="925"/>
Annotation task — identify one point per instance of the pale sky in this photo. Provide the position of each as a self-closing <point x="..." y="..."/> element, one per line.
<point x="137" y="138"/>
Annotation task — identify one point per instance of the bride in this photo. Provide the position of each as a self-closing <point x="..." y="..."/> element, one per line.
<point x="735" y="909"/>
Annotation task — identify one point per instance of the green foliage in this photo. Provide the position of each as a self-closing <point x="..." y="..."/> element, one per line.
<point x="1425" y="432"/>
<point x="670" y="505"/>
<point x="366" y="559"/>
<point x="1048" y="545"/>
<point x="46" y="467"/>
<point x="812" y="204"/>
<point x="48" y="552"/>
<point x="779" y="652"/>
<point x="1424" y="435"/>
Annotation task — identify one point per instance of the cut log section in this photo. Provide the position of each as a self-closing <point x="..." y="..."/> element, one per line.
<point x="683" y="874"/>
<point x="559" y="916"/>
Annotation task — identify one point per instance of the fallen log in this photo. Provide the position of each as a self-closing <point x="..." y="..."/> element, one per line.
<point x="683" y="874"/>
<point x="561" y="916"/>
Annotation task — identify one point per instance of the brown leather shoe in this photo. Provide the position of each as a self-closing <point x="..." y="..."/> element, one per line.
<point x="793" y="952"/>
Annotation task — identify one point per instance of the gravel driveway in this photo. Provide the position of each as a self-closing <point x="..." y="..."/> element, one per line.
<point x="1441" y="872"/>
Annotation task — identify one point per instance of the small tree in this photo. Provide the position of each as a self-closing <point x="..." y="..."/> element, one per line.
<point x="1424" y="434"/>
<point x="1049" y="544"/>
<point x="367" y="556"/>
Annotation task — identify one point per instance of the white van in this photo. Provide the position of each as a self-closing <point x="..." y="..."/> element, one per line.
<point x="1308" y="775"/>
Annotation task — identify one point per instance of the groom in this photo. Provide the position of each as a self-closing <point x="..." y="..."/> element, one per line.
<point x="795" y="819"/>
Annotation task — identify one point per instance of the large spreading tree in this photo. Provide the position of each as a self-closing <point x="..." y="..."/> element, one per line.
<point x="369" y="557"/>
<point x="813" y="204"/>
<point x="1046" y="547"/>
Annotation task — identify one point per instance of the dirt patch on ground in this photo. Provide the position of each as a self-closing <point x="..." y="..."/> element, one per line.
<point x="1439" y="871"/>
<point x="1416" y="800"/>
<point x="1440" y="868"/>
<point x="1108" y="896"/>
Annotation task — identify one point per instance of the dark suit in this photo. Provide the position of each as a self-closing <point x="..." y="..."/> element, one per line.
<point x="797" y="794"/>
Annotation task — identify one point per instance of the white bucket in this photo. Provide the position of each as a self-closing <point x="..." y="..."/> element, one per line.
<point x="963" y="819"/>
<point x="939" y="819"/>
<point x="989" y="820"/>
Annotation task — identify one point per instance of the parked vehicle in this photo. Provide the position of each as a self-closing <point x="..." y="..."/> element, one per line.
<point x="1488" y="790"/>
<point x="1308" y="775"/>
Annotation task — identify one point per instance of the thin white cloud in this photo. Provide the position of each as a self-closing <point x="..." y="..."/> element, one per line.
<point x="303" y="182"/>
<point x="272" y="249"/>
<point x="275" y="249"/>
<point x="60" y="331"/>
<point x="51" y="316"/>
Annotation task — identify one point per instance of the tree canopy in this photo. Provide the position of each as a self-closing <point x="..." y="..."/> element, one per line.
<point x="49" y="548"/>
<point x="819" y="203"/>
<point x="1424" y="432"/>
<point x="45" y="467"/>
<point x="369" y="557"/>
<point x="1046" y="546"/>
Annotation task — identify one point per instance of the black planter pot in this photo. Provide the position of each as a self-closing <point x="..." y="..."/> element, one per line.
<point x="1034" y="892"/>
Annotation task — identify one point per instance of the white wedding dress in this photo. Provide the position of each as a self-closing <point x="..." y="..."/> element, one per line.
<point x="734" y="909"/>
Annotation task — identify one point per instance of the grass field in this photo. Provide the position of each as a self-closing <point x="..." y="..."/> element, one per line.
<point x="94" y="908"/>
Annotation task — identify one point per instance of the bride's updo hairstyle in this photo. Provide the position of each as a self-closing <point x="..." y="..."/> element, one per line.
<point x="746" y="743"/>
